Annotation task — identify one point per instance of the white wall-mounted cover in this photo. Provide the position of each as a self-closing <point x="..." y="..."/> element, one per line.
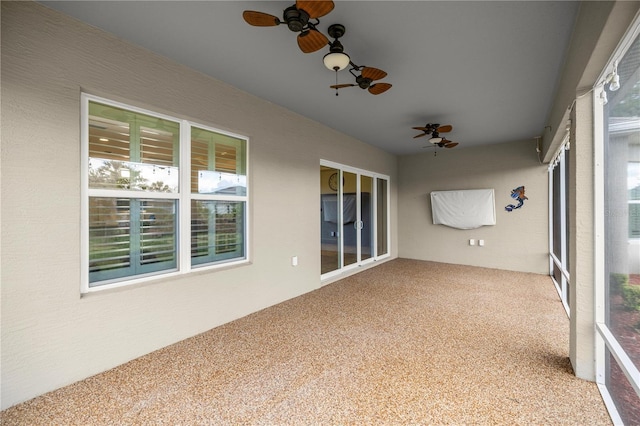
<point x="463" y="209"/>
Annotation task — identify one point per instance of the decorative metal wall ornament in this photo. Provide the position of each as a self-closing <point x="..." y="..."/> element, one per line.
<point x="517" y="194"/>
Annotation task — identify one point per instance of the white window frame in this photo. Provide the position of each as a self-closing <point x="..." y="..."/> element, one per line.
<point x="563" y="286"/>
<point x="183" y="197"/>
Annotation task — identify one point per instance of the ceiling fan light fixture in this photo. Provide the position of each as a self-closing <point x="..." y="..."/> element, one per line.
<point x="435" y="138"/>
<point x="336" y="61"/>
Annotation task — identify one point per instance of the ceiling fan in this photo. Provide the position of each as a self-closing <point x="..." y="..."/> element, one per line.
<point x="337" y="60"/>
<point x="445" y="143"/>
<point x="434" y="130"/>
<point x="366" y="80"/>
<point x="298" y="18"/>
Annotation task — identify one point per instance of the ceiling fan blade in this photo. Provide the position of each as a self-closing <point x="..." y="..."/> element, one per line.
<point x="420" y="135"/>
<point x="373" y="73"/>
<point x="316" y="8"/>
<point x="378" y="88"/>
<point x="450" y="144"/>
<point x="260" y="19"/>
<point x="312" y="41"/>
<point x="341" y="86"/>
<point x="424" y="129"/>
<point x="445" y="129"/>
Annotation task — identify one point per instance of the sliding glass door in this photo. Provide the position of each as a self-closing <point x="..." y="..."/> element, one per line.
<point x="353" y="217"/>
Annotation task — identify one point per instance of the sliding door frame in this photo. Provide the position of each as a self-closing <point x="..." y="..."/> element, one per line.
<point x="359" y="173"/>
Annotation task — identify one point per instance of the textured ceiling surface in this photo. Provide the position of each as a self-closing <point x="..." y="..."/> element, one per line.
<point x="490" y="69"/>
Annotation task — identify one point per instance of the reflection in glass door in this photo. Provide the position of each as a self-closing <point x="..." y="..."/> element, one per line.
<point x="353" y="222"/>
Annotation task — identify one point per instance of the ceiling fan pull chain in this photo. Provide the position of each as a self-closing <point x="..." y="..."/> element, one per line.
<point x="336" y="82"/>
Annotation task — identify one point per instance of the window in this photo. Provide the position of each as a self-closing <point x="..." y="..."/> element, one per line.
<point x="618" y="290"/>
<point x="559" y="185"/>
<point x="155" y="185"/>
<point x="218" y="176"/>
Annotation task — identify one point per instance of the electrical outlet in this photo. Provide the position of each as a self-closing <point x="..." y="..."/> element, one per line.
<point x="472" y="242"/>
<point x="481" y="243"/>
<point x="294" y="261"/>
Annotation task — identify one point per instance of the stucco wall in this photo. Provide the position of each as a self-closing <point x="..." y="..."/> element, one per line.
<point x="518" y="241"/>
<point x="51" y="336"/>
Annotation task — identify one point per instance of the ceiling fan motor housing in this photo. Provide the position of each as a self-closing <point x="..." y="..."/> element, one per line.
<point x="433" y="128"/>
<point x="363" y="82"/>
<point x="295" y="18"/>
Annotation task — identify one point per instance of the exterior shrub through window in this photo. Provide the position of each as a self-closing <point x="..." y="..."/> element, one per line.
<point x="162" y="195"/>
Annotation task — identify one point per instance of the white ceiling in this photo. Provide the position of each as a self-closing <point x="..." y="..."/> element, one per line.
<point x="489" y="68"/>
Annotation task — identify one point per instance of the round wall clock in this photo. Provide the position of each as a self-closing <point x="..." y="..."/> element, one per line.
<point x="333" y="182"/>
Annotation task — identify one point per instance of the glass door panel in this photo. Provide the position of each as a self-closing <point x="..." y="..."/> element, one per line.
<point x="366" y="217"/>
<point x="381" y="217"/>
<point x="330" y="253"/>
<point x="350" y="218"/>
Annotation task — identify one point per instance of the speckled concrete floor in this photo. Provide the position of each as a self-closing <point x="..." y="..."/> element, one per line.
<point x="408" y="342"/>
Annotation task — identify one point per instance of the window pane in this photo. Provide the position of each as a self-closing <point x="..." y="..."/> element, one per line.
<point x="557" y="274"/>
<point x="366" y="217"/>
<point x="382" y="247"/>
<point x="217" y="231"/>
<point x="130" y="237"/>
<point x="633" y="177"/>
<point x="349" y="219"/>
<point x="566" y="158"/>
<point x="132" y="151"/>
<point x="218" y="163"/>
<point x="557" y="214"/>
<point x="330" y="256"/>
<point x="157" y="232"/>
<point x="622" y="262"/>
<point x="623" y="395"/>
<point x="109" y="235"/>
<point x="634" y="220"/>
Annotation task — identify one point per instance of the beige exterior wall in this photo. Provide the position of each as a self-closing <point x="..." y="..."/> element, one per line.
<point x="51" y="336"/>
<point x="520" y="239"/>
